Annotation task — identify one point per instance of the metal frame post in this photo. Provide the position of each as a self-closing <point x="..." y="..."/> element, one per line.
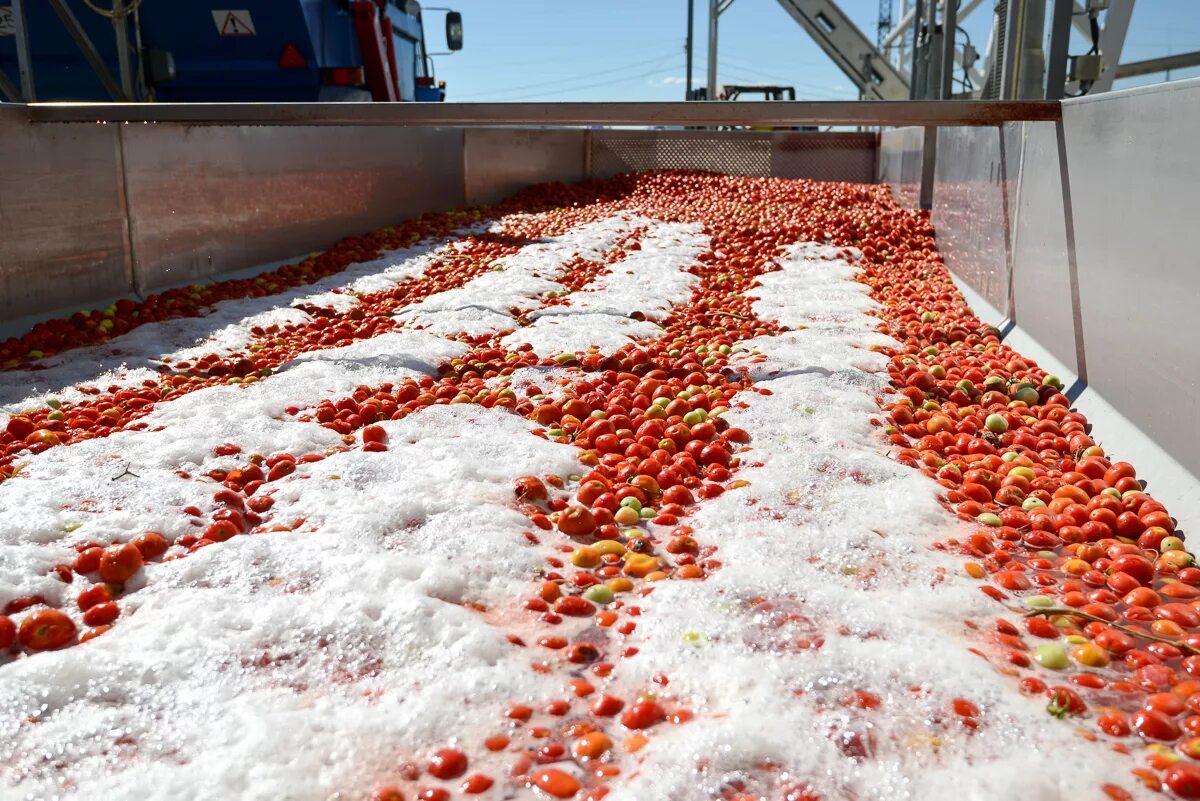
<point x="24" y="59"/>
<point x="714" y="12"/>
<point x="914" y="74"/>
<point x="691" y="6"/>
<point x="1060" y="41"/>
<point x="1112" y="41"/>
<point x="928" y="165"/>
<point x="949" y="27"/>
<point x="120" y="18"/>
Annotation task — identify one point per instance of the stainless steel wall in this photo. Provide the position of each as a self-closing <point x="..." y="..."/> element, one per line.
<point x="93" y="211"/>
<point x="1131" y="158"/>
<point x="1093" y="256"/>
<point x="209" y="199"/>
<point x="900" y="160"/>
<point x="500" y="161"/>
<point x="63" y="239"/>
<point x="830" y="156"/>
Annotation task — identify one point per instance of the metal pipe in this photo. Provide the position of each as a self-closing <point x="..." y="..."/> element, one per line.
<point x="714" y="12"/>
<point x="24" y="58"/>
<point x="121" y="27"/>
<point x="783" y="113"/>
<point x="1060" y="41"/>
<point x="1150" y="66"/>
<point x="691" y="6"/>
<point x="899" y="28"/>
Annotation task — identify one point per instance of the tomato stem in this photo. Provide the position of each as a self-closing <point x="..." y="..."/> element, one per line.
<point x="1144" y="635"/>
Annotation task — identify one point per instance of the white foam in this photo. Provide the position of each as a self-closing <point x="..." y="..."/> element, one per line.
<point x="839" y="536"/>
<point x="130" y="359"/>
<point x="650" y="280"/>
<point x="300" y="665"/>
<point x="488" y="303"/>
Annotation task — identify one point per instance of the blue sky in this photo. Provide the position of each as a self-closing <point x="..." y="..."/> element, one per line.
<point x="633" y="49"/>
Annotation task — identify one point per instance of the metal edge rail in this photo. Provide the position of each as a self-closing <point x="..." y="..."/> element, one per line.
<point x="776" y="114"/>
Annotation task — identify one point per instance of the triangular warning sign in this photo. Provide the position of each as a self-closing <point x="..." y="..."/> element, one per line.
<point x="291" y="58"/>
<point x="234" y="22"/>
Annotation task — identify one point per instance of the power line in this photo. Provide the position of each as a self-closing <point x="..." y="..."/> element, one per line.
<point x="655" y="60"/>
<point x="569" y="89"/>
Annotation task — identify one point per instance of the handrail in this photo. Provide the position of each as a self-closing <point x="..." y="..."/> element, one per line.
<point x="775" y="113"/>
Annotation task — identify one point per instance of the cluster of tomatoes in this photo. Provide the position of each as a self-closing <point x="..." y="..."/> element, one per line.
<point x="1109" y="595"/>
<point x="1110" y="632"/>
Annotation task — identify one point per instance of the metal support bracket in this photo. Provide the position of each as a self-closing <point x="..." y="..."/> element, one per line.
<point x="928" y="166"/>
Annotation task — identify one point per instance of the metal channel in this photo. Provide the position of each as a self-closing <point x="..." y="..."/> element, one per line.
<point x="780" y="114"/>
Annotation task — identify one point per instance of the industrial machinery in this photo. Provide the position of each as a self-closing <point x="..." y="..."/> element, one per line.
<point x="735" y="91"/>
<point x="187" y="51"/>
<point x="926" y="54"/>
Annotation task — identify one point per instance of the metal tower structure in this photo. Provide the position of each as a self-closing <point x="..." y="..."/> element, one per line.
<point x="885" y="23"/>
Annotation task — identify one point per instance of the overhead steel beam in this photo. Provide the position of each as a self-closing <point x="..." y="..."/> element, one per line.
<point x="24" y="57"/>
<point x="849" y="48"/>
<point x="80" y="37"/>
<point x="9" y="89"/>
<point x="1150" y="66"/>
<point x="1112" y="41"/>
<point x="1060" y="41"/>
<point x="782" y="113"/>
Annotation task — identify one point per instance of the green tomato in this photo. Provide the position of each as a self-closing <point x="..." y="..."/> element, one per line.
<point x="1051" y="657"/>
<point x="598" y="594"/>
<point x="996" y="423"/>
<point x="1026" y="394"/>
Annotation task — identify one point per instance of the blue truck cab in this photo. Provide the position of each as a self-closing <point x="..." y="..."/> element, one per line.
<point x="244" y="51"/>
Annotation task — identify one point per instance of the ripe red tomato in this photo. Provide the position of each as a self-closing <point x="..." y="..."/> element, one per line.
<point x="46" y="630"/>
<point x="448" y="763"/>
<point x="120" y="562"/>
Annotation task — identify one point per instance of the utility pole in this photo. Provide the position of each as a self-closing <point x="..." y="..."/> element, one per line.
<point x="691" y="16"/>
<point x="714" y="11"/>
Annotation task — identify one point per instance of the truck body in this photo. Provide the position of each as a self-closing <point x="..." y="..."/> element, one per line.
<point x="252" y="51"/>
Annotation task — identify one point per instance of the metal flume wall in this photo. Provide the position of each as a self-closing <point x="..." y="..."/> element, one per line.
<point x="103" y="200"/>
<point x="1079" y="235"/>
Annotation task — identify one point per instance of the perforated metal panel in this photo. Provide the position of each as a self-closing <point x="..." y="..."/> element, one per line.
<point x="782" y="154"/>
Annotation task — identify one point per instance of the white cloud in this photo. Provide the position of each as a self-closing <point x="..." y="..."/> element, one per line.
<point x="670" y="80"/>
